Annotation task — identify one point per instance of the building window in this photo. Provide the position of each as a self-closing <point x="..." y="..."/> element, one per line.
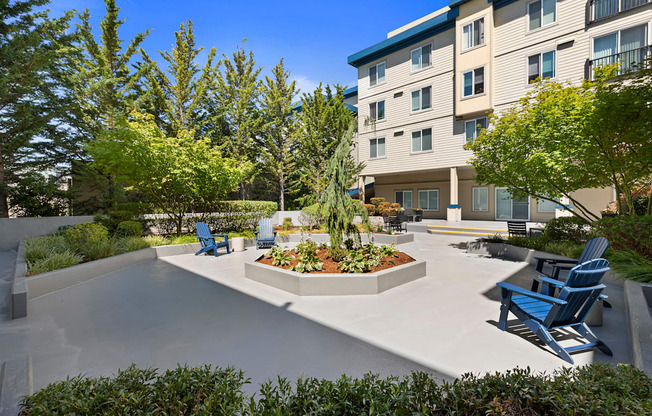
<point x="547" y="206"/>
<point x="542" y="13"/>
<point x="377" y="74"/>
<point x="377" y="111"/>
<point x="376" y="148"/>
<point x="473" y="82"/>
<point x="628" y="47"/>
<point x="421" y="57"/>
<point x="421" y="140"/>
<point x="404" y="198"/>
<point x="421" y="99"/>
<point x="429" y="200"/>
<point x="480" y="199"/>
<point x="541" y="65"/>
<point x="473" y="128"/>
<point x="473" y="34"/>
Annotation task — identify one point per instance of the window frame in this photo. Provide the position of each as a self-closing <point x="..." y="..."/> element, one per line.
<point x="403" y="198"/>
<point x="475" y="130"/>
<point x="484" y="82"/>
<point x="436" y="190"/>
<point x="375" y="104"/>
<point x="540" y="55"/>
<point x="541" y="25"/>
<point x="421" y="109"/>
<point x="376" y="66"/>
<point x="539" y="201"/>
<point x="486" y="188"/>
<point x="483" y="35"/>
<point x="420" y="131"/>
<point x="618" y="32"/>
<point x="385" y="147"/>
<point x="421" y="68"/>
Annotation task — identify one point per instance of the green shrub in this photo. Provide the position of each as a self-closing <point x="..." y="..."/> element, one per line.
<point x="377" y="201"/>
<point x="42" y="247"/>
<point x="371" y="209"/>
<point x="631" y="265"/>
<point x="127" y="244"/>
<point x="287" y="224"/>
<point x="595" y="389"/>
<point x="129" y="229"/>
<point x="183" y="239"/>
<point x="98" y="249"/>
<point x="395" y="205"/>
<point x="54" y="261"/>
<point x="310" y="216"/>
<point x="567" y="228"/>
<point x="627" y="233"/>
<point x="155" y="240"/>
<point x="81" y="234"/>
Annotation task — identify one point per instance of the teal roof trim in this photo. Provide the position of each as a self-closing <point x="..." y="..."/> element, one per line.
<point x="297" y="107"/>
<point x="404" y="39"/>
<point x="501" y="3"/>
<point x="348" y="93"/>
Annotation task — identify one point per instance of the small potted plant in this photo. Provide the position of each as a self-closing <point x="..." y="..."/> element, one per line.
<point x="611" y="210"/>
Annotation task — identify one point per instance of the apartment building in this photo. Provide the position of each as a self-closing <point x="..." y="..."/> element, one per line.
<point x="430" y="85"/>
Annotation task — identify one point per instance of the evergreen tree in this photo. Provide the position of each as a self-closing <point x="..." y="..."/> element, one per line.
<point x="34" y="95"/>
<point x="237" y="94"/>
<point x="337" y="207"/>
<point x="279" y="130"/>
<point x="179" y="98"/>
<point x="323" y="121"/>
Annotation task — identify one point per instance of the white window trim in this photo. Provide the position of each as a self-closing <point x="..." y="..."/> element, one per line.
<point x="431" y="141"/>
<point x="527" y="64"/>
<point x="369" y="75"/>
<point x="420" y="110"/>
<point x="423" y="68"/>
<point x="428" y="190"/>
<point x="404" y="190"/>
<point x="484" y="37"/>
<point x="617" y="32"/>
<point x="377" y="157"/>
<point x="484" y="92"/>
<point x="376" y="121"/>
<point x="473" y="199"/>
<point x="486" y="123"/>
<point x="527" y="20"/>
<point x="511" y="214"/>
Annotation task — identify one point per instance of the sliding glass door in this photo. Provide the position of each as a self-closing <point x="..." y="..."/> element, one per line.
<point x="510" y="208"/>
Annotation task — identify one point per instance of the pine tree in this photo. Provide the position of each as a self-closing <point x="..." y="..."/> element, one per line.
<point x="337" y="207"/>
<point x="237" y="94"/>
<point x="279" y="129"/>
<point x="323" y="121"/>
<point x="179" y="98"/>
<point x="34" y="95"/>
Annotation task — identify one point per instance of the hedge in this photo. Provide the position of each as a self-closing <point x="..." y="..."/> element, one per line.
<point x="595" y="389"/>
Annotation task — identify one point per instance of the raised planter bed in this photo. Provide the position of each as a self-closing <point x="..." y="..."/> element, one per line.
<point x="334" y="284"/>
<point x="395" y="239"/>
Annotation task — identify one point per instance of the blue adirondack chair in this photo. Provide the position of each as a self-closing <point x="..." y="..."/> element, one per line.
<point x="265" y="236"/>
<point x="594" y="249"/>
<point x="208" y="241"/>
<point x="542" y="313"/>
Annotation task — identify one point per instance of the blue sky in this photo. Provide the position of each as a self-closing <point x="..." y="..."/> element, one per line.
<point x="314" y="37"/>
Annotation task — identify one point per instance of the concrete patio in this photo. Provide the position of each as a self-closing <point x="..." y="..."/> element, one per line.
<point x="187" y="309"/>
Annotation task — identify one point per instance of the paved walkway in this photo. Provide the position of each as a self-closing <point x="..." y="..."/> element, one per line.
<point x="7" y="266"/>
<point x="188" y="309"/>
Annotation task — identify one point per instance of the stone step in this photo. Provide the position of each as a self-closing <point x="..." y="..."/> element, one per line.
<point x="483" y="232"/>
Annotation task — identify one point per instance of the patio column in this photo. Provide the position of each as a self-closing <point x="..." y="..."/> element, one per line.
<point x="361" y="185"/>
<point x="454" y="211"/>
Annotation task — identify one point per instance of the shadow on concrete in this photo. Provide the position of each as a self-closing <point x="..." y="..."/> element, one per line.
<point x="522" y="278"/>
<point x="155" y="314"/>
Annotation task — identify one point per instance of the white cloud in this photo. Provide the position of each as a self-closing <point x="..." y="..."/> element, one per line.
<point x="305" y="84"/>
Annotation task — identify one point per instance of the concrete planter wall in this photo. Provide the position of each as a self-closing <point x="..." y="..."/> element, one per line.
<point x="335" y="284"/>
<point x="15" y="230"/>
<point x="508" y="251"/>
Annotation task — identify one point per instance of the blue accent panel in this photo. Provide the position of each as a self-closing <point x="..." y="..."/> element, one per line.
<point x="455" y="3"/>
<point x="563" y="206"/>
<point x="352" y="108"/>
<point x="454" y="206"/>
<point x="404" y="39"/>
<point x="353" y="91"/>
<point x="355" y="191"/>
<point x="502" y="3"/>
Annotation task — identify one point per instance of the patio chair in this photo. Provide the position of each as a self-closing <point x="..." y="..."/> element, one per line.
<point x="208" y="241"/>
<point x="542" y="313"/>
<point x="516" y="228"/>
<point x="409" y="214"/>
<point x="265" y="236"/>
<point x="398" y="223"/>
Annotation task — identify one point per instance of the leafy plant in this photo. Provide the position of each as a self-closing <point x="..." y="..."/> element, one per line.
<point x="280" y="256"/>
<point x="129" y="229"/>
<point x="379" y="228"/>
<point x="307" y="247"/>
<point x="627" y="233"/>
<point x="54" y="261"/>
<point x="307" y="263"/>
<point x="86" y="233"/>
<point x="127" y="244"/>
<point x="337" y="253"/>
<point x="567" y="228"/>
<point x="287" y="224"/>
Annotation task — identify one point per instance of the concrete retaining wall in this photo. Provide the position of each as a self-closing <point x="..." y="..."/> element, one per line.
<point x="395" y="239"/>
<point x="19" y="285"/>
<point x="15" y="230"/>
<point x="639" y="314"/>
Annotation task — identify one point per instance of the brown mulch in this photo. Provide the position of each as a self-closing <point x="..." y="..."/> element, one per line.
<point x="331" y="266"/>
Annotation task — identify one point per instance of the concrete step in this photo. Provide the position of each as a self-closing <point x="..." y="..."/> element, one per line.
<point x="470" y="231"/>
<point x="15" y="383"/>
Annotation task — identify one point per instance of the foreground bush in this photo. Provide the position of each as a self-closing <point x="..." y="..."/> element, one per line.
<point x="595" y="389"/>
<point x="628" y="233"/>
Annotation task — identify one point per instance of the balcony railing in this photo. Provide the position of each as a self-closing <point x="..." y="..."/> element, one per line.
<point x="601" y="9"/>
<point x="629" y="61"/>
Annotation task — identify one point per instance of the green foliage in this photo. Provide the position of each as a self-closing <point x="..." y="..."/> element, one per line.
<point x="631" y="265"/>
<point x="363" y="258"/>
<point x="86" y="233"/>
<point x="337" y="207"/>
<point x="337" y="253"/>
<point x="371" y="209"/>
<point x="287" y="224"/>
<point x="310" y="216"/>
<point x="594" y="389"/>
<point x="178" y="174"/>
<point x="129" y="229"/>
<point x="573" y="229"/>
<point x="377" y="201"/>
<point x="280" y="256"/>
<point x="627" y="233"/>
<point x="127" y="244"/>
<point x="155" y="240"/>
<point x="307" y="256"/>
<point x="54" y="261"/>
<point x="35" y="195"/>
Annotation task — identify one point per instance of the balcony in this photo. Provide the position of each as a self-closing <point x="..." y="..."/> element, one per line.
<point x="602" y="9"/>
<point x="630" y="61"/>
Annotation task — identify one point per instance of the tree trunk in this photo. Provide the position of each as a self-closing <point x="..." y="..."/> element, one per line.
<point x="281" y="200"/>
<point x="649" y="202"/>
<point x="4" y="204"/>
<point x="179" y="223"/>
